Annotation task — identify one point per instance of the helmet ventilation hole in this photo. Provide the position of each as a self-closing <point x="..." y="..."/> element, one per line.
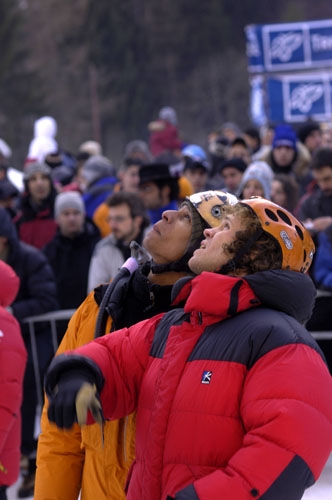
<point x="271" y="215"/>
<point x="299" y="232"/>
<point x="283" y="216"/>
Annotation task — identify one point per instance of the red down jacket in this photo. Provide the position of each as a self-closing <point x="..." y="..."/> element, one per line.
<point x="12" y="365"/>
<point x="232" y="393"/>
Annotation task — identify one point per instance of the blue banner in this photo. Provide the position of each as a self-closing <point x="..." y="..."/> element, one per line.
<point x="295" y="98"/>
<point x="289" y="47"/>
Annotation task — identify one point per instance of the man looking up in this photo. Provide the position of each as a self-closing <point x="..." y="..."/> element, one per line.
<point x="99" y="470"/>
<point x="227" y="389"/>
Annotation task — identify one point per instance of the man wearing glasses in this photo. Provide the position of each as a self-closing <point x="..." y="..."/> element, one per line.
<point x="128" y="221"/>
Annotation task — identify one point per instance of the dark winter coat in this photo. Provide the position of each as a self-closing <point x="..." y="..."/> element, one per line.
<point x="37" y="292"/>
<point x="232" y="394"/>
<point x="70" y="260"/>
<point x="323" y="260"/>
<point x="317" y="204"/>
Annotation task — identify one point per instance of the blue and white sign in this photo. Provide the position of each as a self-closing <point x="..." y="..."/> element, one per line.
<point x="254" y="48"/>
<point x="257" y="101"/>
<point x="289" y="47"/>
<point x="295" y="98"/>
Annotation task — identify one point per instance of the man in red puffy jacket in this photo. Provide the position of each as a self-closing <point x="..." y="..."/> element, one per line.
<point x="233" y="395"/>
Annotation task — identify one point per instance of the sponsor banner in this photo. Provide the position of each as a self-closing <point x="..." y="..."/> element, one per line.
<point x="289" y="47"/>
<point x="295" y="98"/>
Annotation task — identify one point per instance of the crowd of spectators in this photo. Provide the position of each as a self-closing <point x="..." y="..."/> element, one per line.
<point x="67" y="219"/>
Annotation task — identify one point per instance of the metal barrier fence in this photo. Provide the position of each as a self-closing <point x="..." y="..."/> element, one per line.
<point x="66" y="314"/>
<point x="52" y="318"/>
<point x="324" y="335"/>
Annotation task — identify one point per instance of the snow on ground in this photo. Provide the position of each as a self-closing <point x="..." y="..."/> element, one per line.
<point x="322" y="490"/>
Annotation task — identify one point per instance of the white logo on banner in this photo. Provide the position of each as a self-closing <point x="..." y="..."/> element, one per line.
<point x="284" y="45"/>
<point x="303" y="96"/>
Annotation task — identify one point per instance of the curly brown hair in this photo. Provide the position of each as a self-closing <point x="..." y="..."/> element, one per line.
<point x="263" y="254"/>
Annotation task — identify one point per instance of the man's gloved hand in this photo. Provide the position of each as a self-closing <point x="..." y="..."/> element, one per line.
<point x="70" y="395"/>
<point x="72" y="385"/>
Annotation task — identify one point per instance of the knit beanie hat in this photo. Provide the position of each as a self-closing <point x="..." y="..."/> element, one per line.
<point x="68" y="199"/>
<point x="168" y="114"/>
<point x="198" y="225"/>
<point x="35" y="167"/>
<point x="284" y="135"/>
<point x="92" y="148"/>
<point x="97" y="167"/>
<point x="138" y="149"/>
<point x="261" y="172"/>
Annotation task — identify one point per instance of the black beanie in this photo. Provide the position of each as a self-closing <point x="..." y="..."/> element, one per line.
<point x="198" y="225"/>
<point x="306" y="129"/>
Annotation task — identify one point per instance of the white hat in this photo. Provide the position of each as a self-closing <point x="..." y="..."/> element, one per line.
<point x="168" y="114"/>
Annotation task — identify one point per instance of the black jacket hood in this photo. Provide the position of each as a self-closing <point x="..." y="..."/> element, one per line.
<point x="7" y="228"/>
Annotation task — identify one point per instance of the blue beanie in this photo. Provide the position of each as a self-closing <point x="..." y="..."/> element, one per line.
<point x="284" y="135"/>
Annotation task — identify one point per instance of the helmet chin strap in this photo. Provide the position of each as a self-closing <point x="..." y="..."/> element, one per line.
<point x="232" y="264"/>
<point x="179" y="266"/>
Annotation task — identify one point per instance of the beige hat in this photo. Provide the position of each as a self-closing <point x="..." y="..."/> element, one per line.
<point x="90" y="147"/>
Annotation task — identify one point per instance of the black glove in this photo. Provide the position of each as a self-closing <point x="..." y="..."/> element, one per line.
<point x="72" y="384"/>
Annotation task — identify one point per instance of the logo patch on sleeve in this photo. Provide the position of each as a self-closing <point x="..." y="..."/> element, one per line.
<point x="206" y="377"/>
